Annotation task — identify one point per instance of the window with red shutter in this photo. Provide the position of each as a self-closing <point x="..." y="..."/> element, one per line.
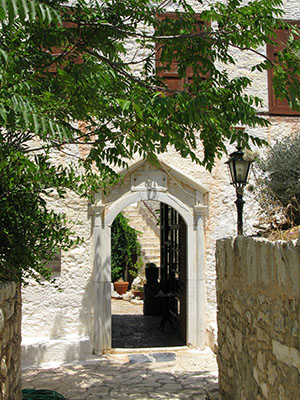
<point x="67" y="53"/>
<point x="170" y="76"/>
<point x="277" y="106"/>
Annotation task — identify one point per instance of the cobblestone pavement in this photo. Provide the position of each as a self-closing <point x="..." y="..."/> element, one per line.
<point x="191" y="374"/>
<point x="165" y="373"/>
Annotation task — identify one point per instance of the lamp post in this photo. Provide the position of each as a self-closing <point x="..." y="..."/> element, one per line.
<point x="239" y="170"/>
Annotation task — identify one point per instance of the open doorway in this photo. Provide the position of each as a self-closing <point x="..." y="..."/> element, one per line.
<point x="143" y="181"/>
<point x="158" y="318"/>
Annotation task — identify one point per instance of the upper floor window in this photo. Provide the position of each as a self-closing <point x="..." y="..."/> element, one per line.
<point x="63" y="56"/>
<point x="277" y="106"/>
<point x="168" y="70"/>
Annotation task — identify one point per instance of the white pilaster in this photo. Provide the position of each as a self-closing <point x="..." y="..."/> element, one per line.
<point x="200" y="214"/>
<point x="102" y="280"/>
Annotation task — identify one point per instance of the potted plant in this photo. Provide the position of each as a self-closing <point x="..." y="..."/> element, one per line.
<point x="125" y="253"/>
<point x="138" y="289"/>
<point x="121" y="286"/>
<point x="141" y="289"/>
<point x="135" y="291"/>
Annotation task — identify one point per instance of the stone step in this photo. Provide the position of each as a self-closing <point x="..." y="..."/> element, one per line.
<point x="139" y="225"/>
<point x="148" y="238"/>
<point x="146" y="235"/>
<point x="149" y="241"/>
<point x="145" y="231"/>
<point x="150" y="252"/>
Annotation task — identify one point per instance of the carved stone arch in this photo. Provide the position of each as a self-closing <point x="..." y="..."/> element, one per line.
<point x="169" y="199"/>
<point x="143" y="181"/>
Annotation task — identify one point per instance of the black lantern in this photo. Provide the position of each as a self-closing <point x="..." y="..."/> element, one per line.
<point x="239" y="170"/>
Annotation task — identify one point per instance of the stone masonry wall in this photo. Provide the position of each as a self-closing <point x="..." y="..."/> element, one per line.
<point x="258" y="294"/>
<point x="10" y="342"/>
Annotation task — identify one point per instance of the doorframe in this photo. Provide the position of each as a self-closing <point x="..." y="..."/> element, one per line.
<point x="103" y="217"/>
<point x="164" y="183"/>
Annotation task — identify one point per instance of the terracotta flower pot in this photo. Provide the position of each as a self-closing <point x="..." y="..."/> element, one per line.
<point x="136" y="293"/>
<point x="121" y="287"/>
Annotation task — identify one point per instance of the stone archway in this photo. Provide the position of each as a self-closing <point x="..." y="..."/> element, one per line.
<point x="144" y="181"/>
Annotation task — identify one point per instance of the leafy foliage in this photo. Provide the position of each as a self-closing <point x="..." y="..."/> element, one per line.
<point x="63" y="63"/>
<point x="30" y="234"/>
<point x="125" y="249"/>
<point x="278" y="184"/>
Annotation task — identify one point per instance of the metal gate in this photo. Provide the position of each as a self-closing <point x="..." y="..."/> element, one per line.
<point x="173" y="239"/>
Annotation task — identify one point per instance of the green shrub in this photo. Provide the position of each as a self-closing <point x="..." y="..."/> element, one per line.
<point x="125" y="249"/>
<point x="278" y="183"/>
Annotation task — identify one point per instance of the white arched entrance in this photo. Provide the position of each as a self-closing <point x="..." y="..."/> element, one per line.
<point x="144" y="181"/>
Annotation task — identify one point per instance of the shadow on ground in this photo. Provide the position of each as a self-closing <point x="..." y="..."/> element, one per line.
<point x="139" y="331"/>
<point x="112" y="380"/>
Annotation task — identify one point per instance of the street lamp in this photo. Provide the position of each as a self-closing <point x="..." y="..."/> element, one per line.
<point x="239" y="170"/>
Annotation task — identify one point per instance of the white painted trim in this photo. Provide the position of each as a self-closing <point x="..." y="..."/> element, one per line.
<point x="171" y="171"/>
<point x="130" y="198"/>
<point x="194" y="218"/>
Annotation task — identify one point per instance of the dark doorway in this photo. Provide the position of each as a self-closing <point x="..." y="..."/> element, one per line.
<point x="130" y="327"/>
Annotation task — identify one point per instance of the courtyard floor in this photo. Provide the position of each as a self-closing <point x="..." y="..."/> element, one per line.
<point x="130" y="372"/>
<point x="132" y="329"/>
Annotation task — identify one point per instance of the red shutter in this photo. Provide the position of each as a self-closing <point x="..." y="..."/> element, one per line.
<point x="277" y="106"/>
<point x="57" y="51"/>
<point x="170" y="77"/>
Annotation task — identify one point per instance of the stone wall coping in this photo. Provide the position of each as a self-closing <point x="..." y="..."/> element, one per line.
<point x="258" y="317"/>
<point x="258" y="263"/>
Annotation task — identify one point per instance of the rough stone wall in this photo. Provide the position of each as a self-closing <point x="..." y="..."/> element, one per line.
<point x="258" y="293"/>
<point x="10" y="342"/>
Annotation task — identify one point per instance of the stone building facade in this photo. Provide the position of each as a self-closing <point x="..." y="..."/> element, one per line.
<point x="70" y="325"/>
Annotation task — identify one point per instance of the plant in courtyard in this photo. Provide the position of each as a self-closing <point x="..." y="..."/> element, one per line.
<point x="63" y="62"/>
<point x="125" y="249"/>
<point x="278" y="184"/>
<point x="140" y="285"/>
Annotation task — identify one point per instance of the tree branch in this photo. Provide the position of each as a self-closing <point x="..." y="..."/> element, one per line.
<point x="115" y="66"/>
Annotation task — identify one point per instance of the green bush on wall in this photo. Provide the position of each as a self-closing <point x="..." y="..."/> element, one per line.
<point x="125" y="249"/>
<point x="278" y="183"/>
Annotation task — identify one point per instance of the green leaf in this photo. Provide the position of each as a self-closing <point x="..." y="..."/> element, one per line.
<point x="2" y="13"/>
<point x="3" y="113"/>
<point x="41" y="12"/>
<point x="4" y="55"/>
<point x="35" y="122"/>
<point x="12" y="10"/>
<point x="3" y="5"/>
<point x="32" y="10"/>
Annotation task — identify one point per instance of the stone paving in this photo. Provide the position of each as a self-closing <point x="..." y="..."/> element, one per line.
<point x="161" y="373"/>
